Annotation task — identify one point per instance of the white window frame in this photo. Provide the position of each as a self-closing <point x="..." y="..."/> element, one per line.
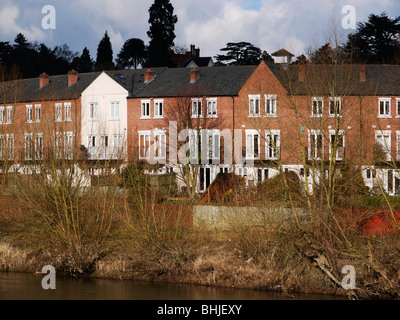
<point x="398" y="144"/>
<point x="3" y="149"/>
<point x="158" y="109"/>
<point x="254" y="102"/>
<point x="196" y="103"/>
<point x="160" y="144"/>
<point x="68" y="111"/>
<point x="250" y="150"/>
<point x="387" y="107"/>
<point x="9" y="114"/>
<point x="335" y="100"/>
<point x="212" y="108"/>
<point x="58" y="145"/>
<point x="211" y="150"/>
<point x="39" y="146"/>
<point x="115" y="110"/>
<point x="331" y="142"/>
<point x="29" y="113"/>
<point x="145" y="109"/>
<point x="397" y="107"/>
<point x="147" y="139"/>
<point x="271" y="101"/>
<point x="317" y="114"/>
<point x="38" y="113"/>
<point x="58" y="109"/>
<point x="28" y="146"/>
<point x="93" y="111"/>
<point x="315" y="147"/>
<point x="2" y="115"/>
<point x="387" y="141"/>
<point x="272" y="154"/>
<point x="69" y="145"/>
<point x="117" y="145"/>
<point x="10" y="146"/>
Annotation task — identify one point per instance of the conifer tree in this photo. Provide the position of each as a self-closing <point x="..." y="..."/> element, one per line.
<point x="161" y="33"/>
<point x="104" y="59"/>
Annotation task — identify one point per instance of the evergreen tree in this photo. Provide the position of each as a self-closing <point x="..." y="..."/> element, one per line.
<point x="104" y="59"/>
<point x="25" y="57"/>
<point x="376" y="41"/>
<point x="132" y="54"/>
<point x="161" y="33"/>
<point x="241" y="53"/>
<point x="84" y="63"/>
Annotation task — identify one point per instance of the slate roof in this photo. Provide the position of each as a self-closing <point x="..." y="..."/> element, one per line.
<point x="28" y="90"/>
<point x="381" y="80"/>
<point x="214" y="81"/>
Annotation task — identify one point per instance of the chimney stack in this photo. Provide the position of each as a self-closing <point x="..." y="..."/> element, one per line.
<point x="148" y="76"/>
<point x="72" y="77"/>
<point x="194" y="75"/>
<point x="363" y="73"/>
<point x="302" y="72"/>
<point x="43" y="79"/>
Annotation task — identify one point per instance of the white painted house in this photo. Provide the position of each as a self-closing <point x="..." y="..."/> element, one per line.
<point x="104" y="119"/>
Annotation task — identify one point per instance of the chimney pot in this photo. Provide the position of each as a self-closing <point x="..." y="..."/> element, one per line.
<point x="43" y="79"/>
<point x="148" y="76"/>
<point x="194" y="75"/>
<point x="72" y="77"/>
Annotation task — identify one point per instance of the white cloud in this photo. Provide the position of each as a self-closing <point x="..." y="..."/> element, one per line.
<point x="209" y="24"/>
<point x="10" y="27"/>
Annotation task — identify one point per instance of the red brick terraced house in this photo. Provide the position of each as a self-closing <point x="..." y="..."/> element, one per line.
<point x="305" y="119"/>
<point x="255" y="121"/>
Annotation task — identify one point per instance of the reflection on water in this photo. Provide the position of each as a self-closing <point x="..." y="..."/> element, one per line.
<point x="15" y="286"/>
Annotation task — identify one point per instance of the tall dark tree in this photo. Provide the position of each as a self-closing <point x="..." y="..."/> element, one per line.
<point x="132" y="54"/>
<point x="241" y="53"/>
<point x="24" y="56"/>
<point x="5" y="53"/>
<point x="161" y="33"/>
<point x="104" y="59"/>
<point x="84" y="63"/>
<point x="376" y="41"/>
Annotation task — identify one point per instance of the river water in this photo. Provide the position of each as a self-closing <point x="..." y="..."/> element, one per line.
<point x="21" y="286"/>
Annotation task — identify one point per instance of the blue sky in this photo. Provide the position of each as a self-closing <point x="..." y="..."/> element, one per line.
<point x="209" y="24"/>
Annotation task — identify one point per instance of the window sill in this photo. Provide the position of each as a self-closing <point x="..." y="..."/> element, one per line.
<point x="317" y="115"/>
<point x="212" y="117"/>
<point x="145" y="118"/>
<point x="255" y="116"/>
<point x="158" y="117"/>
<point x="384" y="117"/>
<point x="333" y="116"/>
<point x="271" y="116"/>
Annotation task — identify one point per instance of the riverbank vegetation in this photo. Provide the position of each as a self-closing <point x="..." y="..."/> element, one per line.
<point x="131" y="230"/>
